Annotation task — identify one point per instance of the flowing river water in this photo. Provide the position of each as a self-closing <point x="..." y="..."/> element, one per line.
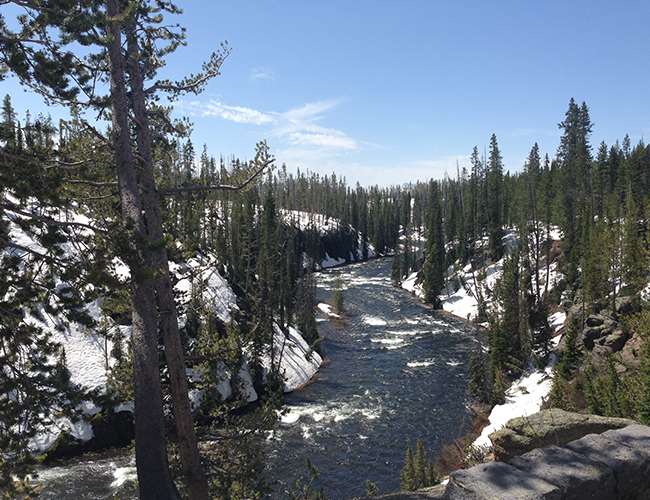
<point x="396" y="372"/>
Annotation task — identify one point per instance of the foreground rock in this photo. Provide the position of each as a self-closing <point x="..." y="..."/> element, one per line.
<point x="609" y="466"/>
<point x="433" y="492"/>
<point x="548" y="427"/>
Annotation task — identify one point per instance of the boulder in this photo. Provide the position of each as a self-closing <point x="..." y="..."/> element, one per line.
<point x="628" y="304"/>
<point x="630" y="465"/>
<point x="499" y="480"/>
<point x="615" y="340"/>
<point x="634" y="436"/>
<point x="437" y="491"/>
<point x="614" y="465"/>
<point x="600" y="355"/>
<point x="630" y="355"/>
<point x="575" y="316"/>
<point x="548" y="427"/>
<point x="592" y="333"/>
<point x="576" y="475"/>
<point x="595" y="320"/>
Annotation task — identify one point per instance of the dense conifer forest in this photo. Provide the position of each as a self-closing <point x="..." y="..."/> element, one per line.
<point x="113" y="201"/>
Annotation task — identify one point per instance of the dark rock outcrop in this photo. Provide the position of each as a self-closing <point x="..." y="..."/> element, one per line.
<point x="628" y="304"/>
<point x="615" y="340"/>
<point x="109" y="429"/>
<point x="597" y="327"/>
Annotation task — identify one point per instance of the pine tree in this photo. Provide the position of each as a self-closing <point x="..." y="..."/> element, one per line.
<point x="571" y="354"/>
<point x="478" y="386"/>
<point x="595" y="264"/>
<point x="498" y="395"/>
<point x="407" y="475"/>
<point x="509" y="345"/>
<point x="43" y="56"/>
<point x="635" y="260"/>
<point x="495" y="199"/>
<point x="601" y="180"/>
<point x="36" y="387"/>
<point x="574" y="155"/>
<point x="434" y="263"/>
<point x="533" y="177"/>
<point x="8" y="125"/>
<point x="305" y="304"/>
<point x="420" y="464"/>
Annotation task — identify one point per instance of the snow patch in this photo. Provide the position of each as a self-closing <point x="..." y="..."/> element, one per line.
<point x="524" y="397"/>
<point x="298" y="362"/>
<point x="327" y="309"/>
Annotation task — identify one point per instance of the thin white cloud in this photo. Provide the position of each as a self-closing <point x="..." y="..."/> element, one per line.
<point x="262" y="74"/>
<point x="237" y="114"/>
<point x="334" y="139"/>
<point x="297" y="126"/>
<point x="311" y="111"/>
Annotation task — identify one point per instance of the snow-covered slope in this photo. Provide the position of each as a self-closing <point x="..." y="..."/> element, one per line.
<point x="88" y="354"/>
<point x="460" y="295"/>
<point x="298" y="362"/>
<point x="324" y="225"/>
<point x="524" y="397"/>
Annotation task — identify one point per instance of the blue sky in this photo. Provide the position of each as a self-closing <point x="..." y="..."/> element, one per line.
<point x="387" y="92"/>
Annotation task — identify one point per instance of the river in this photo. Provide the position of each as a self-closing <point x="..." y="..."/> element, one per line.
<point x="396" y="372"/>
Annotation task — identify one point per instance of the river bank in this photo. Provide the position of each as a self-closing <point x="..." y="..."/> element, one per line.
<point x="397" y="373"/>
<point x="394" y="372"/>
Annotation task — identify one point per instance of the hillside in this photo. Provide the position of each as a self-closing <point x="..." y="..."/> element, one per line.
<point x="89" y="352"/>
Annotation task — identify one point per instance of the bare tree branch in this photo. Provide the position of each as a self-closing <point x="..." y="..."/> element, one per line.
<point x="46" y="219"/>
<point x="90" y="183"/>
<point x="199" y="188"/>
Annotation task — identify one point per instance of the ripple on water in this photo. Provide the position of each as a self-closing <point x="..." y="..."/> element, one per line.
<point x="373" y="321"/>
<point x="420" y="364"/>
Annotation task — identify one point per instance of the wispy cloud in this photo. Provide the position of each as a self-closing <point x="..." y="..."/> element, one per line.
<point x="237" y="114"/>
<point x="260" y="73"/>
<point x="331" y="139"/>
<point x="297" y="126"/>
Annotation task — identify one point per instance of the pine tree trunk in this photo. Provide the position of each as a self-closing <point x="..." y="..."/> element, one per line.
<point x="187" y="443"/>
<point x="154" y="479"/>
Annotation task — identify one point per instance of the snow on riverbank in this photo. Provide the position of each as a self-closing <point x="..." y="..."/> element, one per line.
<point x="323" y="225"/>
<point x="527" y="394"/>
<point x="298" y="362"/>
<point x="461" y="295"/>
<point x="524" y="397"/>
<point x="328" y="310"/>
<point x="88" y="352"/>
<point x="556" y="322"/>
